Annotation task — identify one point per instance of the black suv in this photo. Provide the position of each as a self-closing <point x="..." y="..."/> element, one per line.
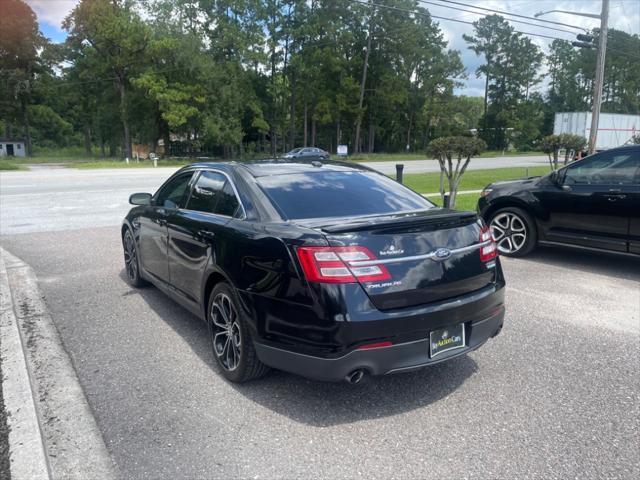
<point x="592" y="203"/>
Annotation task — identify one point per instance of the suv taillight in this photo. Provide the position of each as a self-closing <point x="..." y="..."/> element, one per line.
<point x="490" y="250"/>
<point x="333" y="265"/>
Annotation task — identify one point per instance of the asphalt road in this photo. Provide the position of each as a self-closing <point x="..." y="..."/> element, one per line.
<point x="555" y="395"/>
<point x="51" y="199"/>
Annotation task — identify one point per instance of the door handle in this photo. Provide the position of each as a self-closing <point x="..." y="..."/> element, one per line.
<point x="206" y="235"/>
<point x="615" y="197"/>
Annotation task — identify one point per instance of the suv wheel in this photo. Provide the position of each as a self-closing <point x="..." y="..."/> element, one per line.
<point x="231" y="341"/>
<point x="514" y="231"/>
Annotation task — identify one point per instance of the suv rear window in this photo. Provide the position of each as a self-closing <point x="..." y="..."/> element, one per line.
<point x="338" y="194"/>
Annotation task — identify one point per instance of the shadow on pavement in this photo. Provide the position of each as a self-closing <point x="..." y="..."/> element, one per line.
<point x="320" y="404"/>
<point x="609" y="264"/>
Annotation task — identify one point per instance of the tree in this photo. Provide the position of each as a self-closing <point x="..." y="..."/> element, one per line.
<point x="20" y="40"/>
<point x="120" y="38"/>
<point x="512" y="63"/>
<point x="460" y="149"/>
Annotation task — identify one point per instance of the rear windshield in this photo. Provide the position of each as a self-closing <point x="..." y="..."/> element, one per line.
<point x="338" y="194"/>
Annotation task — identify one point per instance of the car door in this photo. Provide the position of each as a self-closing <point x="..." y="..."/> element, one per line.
<point x="153" y="225"/>
<point x="633" y="200"/>
<point x="199" y="231"/>
<point x="591" y="206"/>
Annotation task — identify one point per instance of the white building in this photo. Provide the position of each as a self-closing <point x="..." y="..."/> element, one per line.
<point x="12" y="148"/>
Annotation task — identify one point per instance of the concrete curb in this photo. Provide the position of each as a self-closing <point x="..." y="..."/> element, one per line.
<point x="26" y="450"/>
<point x="73" y="445"/>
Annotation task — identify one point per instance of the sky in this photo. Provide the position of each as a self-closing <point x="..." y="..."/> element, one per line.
<point x="624" y="15"/>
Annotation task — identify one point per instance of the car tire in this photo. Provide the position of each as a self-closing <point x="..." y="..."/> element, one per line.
<point x="514" y="231"/>
<point x="231" y="342"/>
<point x="131" y="262"/>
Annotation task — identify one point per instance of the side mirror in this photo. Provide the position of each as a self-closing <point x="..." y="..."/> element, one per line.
<point x="140" y="199"/>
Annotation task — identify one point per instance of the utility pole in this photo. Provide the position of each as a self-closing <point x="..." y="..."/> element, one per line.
<point x="584" y="42"/>
<point x="597" y="85"/>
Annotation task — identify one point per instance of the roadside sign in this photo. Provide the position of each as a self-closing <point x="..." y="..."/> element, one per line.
<point x="343" y="150"/>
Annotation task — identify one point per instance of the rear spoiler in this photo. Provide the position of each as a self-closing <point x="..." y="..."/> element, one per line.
<point x="443" y="217"/>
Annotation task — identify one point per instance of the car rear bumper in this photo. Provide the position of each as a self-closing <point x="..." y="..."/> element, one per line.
<point x="379" y="361"/>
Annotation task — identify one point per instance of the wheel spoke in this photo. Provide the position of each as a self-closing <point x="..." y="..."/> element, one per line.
<point x="225" y="332"/>
<point x="500" y="231"/>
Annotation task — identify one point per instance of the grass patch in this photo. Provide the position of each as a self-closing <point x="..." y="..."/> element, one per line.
<point x="463" y="202"/>
<point x="6" y="165"/>
<point x="122" y="164"/>
<point x="407" y="157"/>
<point x="472" y="179"/>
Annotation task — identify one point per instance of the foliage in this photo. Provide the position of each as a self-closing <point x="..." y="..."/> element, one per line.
<point x="636" y="139"/>
<point x="242" y="78"/>
<point x="446" y="150"/>
<point x="552" y="144"/>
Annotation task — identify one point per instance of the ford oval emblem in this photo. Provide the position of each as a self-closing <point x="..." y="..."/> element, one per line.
<point x="441" y="254"/>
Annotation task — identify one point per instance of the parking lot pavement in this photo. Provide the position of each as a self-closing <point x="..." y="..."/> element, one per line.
<point x="555" y="395"/>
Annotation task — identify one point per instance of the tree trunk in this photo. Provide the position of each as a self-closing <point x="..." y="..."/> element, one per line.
<point x="126" y="137"/>
<point x="306" y="121"/>
<point x="87" y="140"/>
<point x="27" y="129"/>
<point x="112" y="149"/>
<point x="292" y="133"/>
<point x="313" y="132"/>
<point x="372" y="136"/>
<point x="356" y="146"/>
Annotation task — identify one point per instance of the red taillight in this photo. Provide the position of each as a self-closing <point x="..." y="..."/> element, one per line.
<point x="335" y="265"/>
<point x="490" y="250"/>
<point x="370" y="346"/>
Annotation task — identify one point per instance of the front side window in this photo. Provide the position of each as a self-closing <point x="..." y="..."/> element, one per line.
<point x="173" y="194"/>
<point x="606" y="168"/>
<point x="213" y="193"/>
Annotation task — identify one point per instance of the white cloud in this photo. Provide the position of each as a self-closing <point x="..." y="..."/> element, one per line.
<point x="52" y="12"/>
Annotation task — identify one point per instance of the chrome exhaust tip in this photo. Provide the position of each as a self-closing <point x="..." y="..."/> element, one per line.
<point x="355" y="377"/>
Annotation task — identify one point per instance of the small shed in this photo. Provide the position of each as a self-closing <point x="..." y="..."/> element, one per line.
<point x="12" y="148"/>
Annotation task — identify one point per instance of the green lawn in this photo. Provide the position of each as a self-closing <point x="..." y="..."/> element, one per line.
<point x="6" y="165"/>
<point x="472" y="179"/>
<point x="132" y="164"/>
<point x="407" y="157"/>
<point x="463" y="202"/>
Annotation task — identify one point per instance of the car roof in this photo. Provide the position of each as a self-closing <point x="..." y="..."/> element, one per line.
<point x="263" y="168"/>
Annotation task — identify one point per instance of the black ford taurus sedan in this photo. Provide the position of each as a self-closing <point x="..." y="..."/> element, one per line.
<point x="593" y="203"/>
<point x="327" y="270"/>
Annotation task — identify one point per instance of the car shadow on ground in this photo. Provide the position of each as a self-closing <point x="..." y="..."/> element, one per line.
<point x="625" y="267"/>
<point x="319" y="404"/>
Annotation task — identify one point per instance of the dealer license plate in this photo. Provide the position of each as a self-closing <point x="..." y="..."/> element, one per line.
<point x="446" y="339"/>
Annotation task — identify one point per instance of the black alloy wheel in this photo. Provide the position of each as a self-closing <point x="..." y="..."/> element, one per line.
<point x="131" y="265"/>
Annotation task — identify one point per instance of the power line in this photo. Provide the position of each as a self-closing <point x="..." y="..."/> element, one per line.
<point x="512" y="14"/>
<point x="429" y="15"/>
<point x="509" y="19"/>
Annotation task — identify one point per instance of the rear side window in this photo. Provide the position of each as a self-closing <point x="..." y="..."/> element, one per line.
<point x="338" y="194"/>
<point x="212" y="193"/>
